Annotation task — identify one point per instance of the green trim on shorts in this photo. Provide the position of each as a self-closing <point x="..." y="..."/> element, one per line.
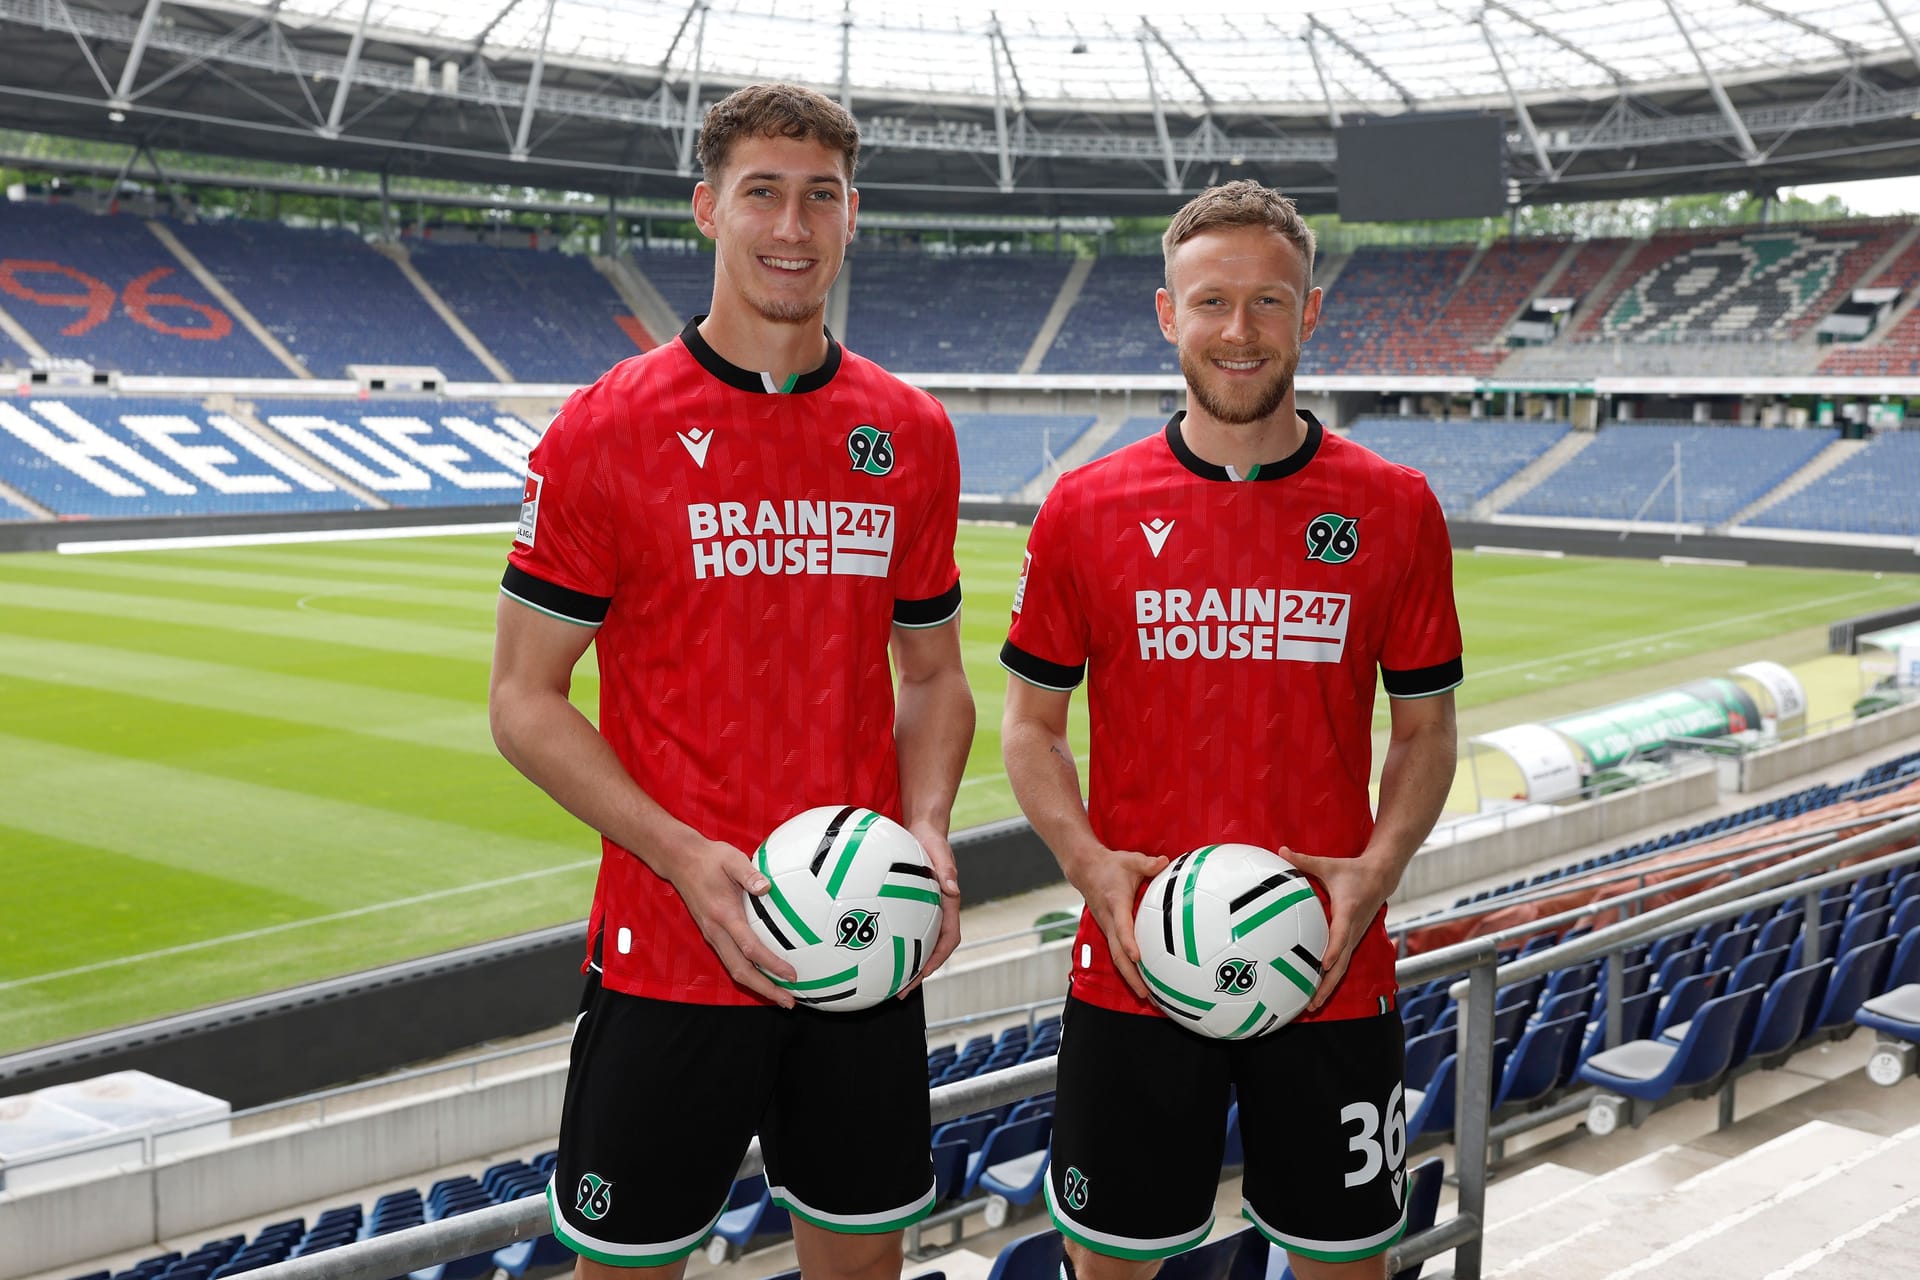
<point x="595" y="1253"/>
<point x="907" y="1218"/>
<point x="1107" y="1248"/>
<point x="1326" y="1255"/>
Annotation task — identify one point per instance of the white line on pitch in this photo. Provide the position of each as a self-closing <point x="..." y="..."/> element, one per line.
<point x="268" y="539"/>
<point x="249" y="934"/>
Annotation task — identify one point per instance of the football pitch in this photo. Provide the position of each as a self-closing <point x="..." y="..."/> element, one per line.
<point x="226" y="771"/>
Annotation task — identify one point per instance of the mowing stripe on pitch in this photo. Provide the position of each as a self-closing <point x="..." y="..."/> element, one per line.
<point x="250" y="934"/>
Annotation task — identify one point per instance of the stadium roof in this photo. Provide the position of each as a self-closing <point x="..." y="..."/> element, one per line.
<point x="1067" y="107"/>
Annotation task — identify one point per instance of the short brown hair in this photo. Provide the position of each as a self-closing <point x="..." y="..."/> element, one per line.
<point x="1240" y="204"/>
<point x="776" y="111"/>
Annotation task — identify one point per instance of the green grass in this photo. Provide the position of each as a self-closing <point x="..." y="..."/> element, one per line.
<point x="226" y="771"/>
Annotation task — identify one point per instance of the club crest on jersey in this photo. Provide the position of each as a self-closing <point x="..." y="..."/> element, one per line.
<point x="1332" y="538"/>
<point x="870" y="449"/>
<point x="1156" y="531"/>
<point x="696" y="442"/>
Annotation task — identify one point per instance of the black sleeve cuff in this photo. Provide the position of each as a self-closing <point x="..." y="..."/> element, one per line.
<point x="1425" y="682"/>
<point x="559" y="602"/>
<point x="927" y="613"/>
<point x="1038" y="671"/>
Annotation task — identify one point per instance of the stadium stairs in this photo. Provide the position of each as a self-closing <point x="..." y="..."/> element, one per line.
<point x="397" y="254"/>
<point x="1063" y="301"/>
<point x="656" y="318"/>
<point x="224" y="296"/>
<point x="1826" y="460"/>
<point x="1562" y="451"/>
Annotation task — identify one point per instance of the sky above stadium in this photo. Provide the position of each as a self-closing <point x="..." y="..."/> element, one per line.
<point x="1877" y="197"/>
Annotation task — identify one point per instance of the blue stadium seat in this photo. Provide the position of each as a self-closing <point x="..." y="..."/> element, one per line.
<point x="1724" y="469"/>
<point x="1008" y="1144"/>
<point x="1464" y="460"/>
<point x="547" y="316"/>
<point x="1034" y="1257"/>
<point x="1649" y="1070"/>
<point x="941" y="312"/>
<point x="329" y="297"/>
<point x="1540" y="1064"/>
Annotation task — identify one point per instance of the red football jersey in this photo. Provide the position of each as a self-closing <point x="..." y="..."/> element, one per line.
<point x="745" y="551"/>
<point x="1232" y="634"/>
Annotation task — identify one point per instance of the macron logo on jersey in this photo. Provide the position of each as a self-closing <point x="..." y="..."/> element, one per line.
<point x="696" y="441"/>
<point x="790" y="537"/>
<point x="1156" y="531"/>
<point x="1242" y="623"/>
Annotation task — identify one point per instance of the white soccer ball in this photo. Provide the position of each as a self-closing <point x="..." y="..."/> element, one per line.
<point x="854" y="907"/>
<point x="1230" y="940"/>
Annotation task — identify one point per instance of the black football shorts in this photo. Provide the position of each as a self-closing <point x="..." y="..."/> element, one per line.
<point x="662" y="1099"/>
<point x="1140" y="1121"/>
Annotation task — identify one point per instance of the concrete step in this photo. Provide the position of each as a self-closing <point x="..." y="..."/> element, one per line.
<point x="1536" y="1239"/>
<point x="1803" y="1217"/>
<point x="1617" y="1233"/>
<point x="1885" y="1245"/>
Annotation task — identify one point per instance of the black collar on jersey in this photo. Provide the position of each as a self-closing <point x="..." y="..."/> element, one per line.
<point x="750" y="380"/>
<point x="1264" y="471"/>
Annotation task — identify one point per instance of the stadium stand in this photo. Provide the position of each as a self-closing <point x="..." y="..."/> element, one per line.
<point x="1112" y="326"/>
<point x="684" y="277"/>
<point x="1648" y="256"/>
<point x="549" y="317"/>
<point x="1464" y="461"/>
<point x="412" y="453"/>
<point x="1138" y="427"/>
<point x="345" y="1224"/>
<point x="328" y="298"/>
<point x="1486" y="300"/>
<point x="1897" y="350"/>
<point x="1382" y="311"/>
<point x="13" y="511"/>
<point x="123" y="456"/>
<point x="102" y="289"/>
<point x="1723" y="469"/>
<point x="1877" y="491"/>
<point x="936" y="313"/>
<point x="1001" y="452"/>
<point x="1771" y="283"/>
<point x="1583" y="275"/>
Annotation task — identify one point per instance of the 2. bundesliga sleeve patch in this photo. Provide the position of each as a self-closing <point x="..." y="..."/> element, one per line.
<point x="529" y="510"/>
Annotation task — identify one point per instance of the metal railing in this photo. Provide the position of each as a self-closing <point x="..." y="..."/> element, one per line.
<point x="1478" y="958"/>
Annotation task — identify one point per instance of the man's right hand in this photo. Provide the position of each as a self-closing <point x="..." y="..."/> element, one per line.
<point x="1110" y="883"/>
<point x="710" y="876"/>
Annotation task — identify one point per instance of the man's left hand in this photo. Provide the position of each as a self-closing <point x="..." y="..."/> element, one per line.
<point x="940" y="854"/>
<point x="1355" y="894"/>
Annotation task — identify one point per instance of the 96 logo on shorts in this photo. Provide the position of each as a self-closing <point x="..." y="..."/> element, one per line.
<point x="594" y="1197"/>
